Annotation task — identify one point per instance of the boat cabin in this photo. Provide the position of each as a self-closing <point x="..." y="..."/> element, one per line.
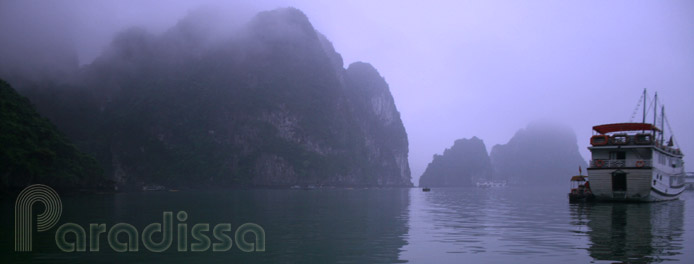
<point x="631" y="145"/>
<point x="578" y="184"/>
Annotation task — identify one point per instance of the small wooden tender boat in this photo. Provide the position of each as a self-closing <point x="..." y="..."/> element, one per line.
<point x="580" y="190"/>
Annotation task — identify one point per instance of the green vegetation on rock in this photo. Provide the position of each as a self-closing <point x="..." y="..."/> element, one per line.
<point x="33" y="151"/>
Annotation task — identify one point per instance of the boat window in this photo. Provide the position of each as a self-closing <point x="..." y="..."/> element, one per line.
<point x="620" y="155"/>
<point x="643" y="139"/>
<point x="598" y="140"/>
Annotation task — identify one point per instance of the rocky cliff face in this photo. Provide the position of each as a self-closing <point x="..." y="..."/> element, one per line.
<point x="271" y="105"/>
<point x="33" y="151"/>
<point x="541" y="154"/>
<point x="461" y="165"/>
<point x="379" y="121"/>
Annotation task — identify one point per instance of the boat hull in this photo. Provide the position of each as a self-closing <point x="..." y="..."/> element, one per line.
<point x="657" y="196"/>
<point x="581" y="198"/>
<point x="638" y="185"/>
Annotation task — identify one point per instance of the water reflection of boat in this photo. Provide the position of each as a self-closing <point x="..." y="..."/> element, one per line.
<point x="632" y="233"/>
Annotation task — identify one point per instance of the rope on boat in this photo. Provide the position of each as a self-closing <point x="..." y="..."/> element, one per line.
<point x="650" y="106"/>
<point x="674" y="140"/>
<point x="638" y="106"/>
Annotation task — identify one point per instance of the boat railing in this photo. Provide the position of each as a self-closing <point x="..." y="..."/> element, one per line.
<point x="620" y="163"/>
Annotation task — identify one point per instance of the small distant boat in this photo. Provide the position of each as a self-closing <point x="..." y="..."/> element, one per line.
<point x="426" y="189"/>
<point x="490" y="184"/>
<point x="580" y="190"/>
<point x="153" y="187"/>
<point x="299" y="187"/>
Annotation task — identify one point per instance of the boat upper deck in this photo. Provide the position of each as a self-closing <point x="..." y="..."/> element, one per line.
<point x="630" y="135"/>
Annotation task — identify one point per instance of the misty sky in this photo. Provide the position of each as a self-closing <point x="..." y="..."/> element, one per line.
<point x="457" y="69"/>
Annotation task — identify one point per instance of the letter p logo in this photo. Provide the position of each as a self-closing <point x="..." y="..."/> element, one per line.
<point x="23" y="209"/>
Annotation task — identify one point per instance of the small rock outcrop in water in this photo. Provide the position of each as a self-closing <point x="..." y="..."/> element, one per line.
<point x="33" y="151"/>
<point x="271" y="105"/>
<point x="461" y="165"/>
<point x="541" y="154"/>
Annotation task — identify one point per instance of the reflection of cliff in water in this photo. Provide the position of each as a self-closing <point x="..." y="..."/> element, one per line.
<point x="634" y="233"/>
<point x="348" y="226"/>
<point x="312" y="226"/>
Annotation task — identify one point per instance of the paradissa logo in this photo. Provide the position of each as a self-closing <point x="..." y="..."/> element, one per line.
<point x="46" y="220"/>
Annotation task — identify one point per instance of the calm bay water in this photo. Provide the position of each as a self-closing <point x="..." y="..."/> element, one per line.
<point x="504" y="225"/>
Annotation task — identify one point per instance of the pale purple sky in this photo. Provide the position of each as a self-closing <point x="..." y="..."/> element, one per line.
<point x="459" y="69"/>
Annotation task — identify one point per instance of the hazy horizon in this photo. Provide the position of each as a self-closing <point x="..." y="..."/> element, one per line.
<point x="456" y="69"/>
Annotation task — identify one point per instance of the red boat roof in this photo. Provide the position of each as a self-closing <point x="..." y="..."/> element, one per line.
<point x="578" y="178"/>
<point x="607" y="128"/>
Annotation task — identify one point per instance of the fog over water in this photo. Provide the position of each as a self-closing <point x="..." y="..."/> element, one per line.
<point x="456" y="69"/>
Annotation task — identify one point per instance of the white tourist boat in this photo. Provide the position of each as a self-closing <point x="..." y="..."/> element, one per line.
<point x="634" y="161"/>
<point x="490" y="184"/>
<point x="689" y="180"/>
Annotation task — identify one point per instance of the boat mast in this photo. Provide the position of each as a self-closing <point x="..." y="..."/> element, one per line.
<point x="655" y="114"/>
<point x="662" y="125"/>
<point x="644" y="106"/>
